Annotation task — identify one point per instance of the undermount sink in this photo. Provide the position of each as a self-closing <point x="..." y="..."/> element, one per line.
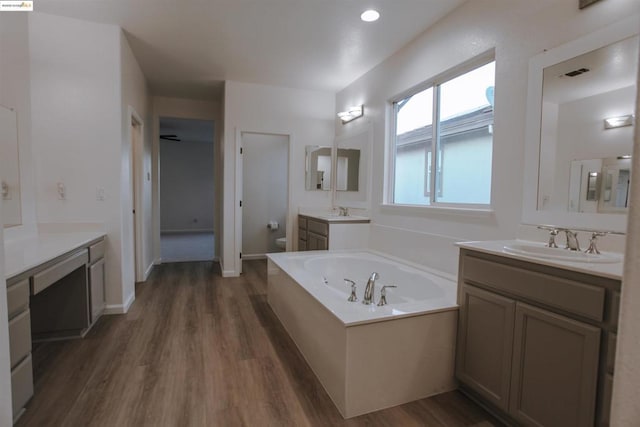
<point x="540" y="251"/>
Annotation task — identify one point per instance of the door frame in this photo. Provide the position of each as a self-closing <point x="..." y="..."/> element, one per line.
<point x="136" y="167"/>
<point x="239" y="191"/>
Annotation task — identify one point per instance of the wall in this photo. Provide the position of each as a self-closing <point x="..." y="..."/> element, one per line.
<point x="77" y="137"/>
<point x="187" y="186"/>
<point x="187" y="109"/>
<point x="625" y="410"/>
<point x="427" y="235"/>
<point x="135" y="95"/>
<point x="307" y="116"/>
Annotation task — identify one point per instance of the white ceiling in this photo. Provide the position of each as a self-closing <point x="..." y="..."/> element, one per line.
<point x="187" y="48"/>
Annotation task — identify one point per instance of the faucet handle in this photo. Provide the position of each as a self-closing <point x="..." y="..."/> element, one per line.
<point x="553" y="232"/>
<point x="383" y="294"/>
<point x="353" y="297"/>
<point x="593" y="249"/>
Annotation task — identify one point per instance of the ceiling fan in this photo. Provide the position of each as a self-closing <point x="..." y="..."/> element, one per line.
<point x="170" y="138"/>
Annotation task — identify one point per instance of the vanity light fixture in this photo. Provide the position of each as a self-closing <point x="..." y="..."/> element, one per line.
<point x="618" y="122"/>
<point x="370" y="15"/>
<point x="351" y="114"/>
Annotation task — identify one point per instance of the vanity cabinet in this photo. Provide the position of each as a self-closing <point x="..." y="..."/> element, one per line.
<point x="96" y="279"/>
<point x="321" y="234"/>
<point x="19" y="344"/>
<point x="535" y="342"/>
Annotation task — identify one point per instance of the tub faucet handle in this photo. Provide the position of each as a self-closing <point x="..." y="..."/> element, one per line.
<point x="383" y="295"/>
<point x="353" y="297"/>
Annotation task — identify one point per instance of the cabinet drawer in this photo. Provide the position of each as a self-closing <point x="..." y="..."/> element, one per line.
<point x="96" y="279"/>
<point x="302" y="234"/>
<point x="96" y="251"/>
<point x="21" y="385"/>
<point x="302" y="245"/>
<point x="302" y="222"/>
<point x="48" y="277"/>
<point x="18" y="297"/>
<point x="575" y="297"/>
<point x="20" y="337"/>
<point x="317" y="227"/>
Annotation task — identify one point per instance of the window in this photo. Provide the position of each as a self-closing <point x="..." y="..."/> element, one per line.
<point x="456" y="169"/>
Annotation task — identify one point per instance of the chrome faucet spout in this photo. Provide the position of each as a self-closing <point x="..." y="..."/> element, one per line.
<point x="369" y="290"/>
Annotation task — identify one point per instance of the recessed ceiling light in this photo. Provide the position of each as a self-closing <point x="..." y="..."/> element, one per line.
<point x="370" y="15"/>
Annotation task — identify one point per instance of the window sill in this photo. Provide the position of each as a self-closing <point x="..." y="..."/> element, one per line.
<point x="413" y="210"/>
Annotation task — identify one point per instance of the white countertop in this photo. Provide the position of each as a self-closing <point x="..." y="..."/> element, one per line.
<point x="25" y="254"/>
<point x="496" y="247"/>
<point x="336" y="218"/>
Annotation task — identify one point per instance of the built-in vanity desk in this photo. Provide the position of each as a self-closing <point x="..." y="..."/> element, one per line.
<point x="328" y="231"/>
<point x="536" y="337"/>
<point x="55" y="290"/>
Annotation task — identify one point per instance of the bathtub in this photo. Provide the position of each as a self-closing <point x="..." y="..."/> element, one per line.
<point x="367" y="357"/>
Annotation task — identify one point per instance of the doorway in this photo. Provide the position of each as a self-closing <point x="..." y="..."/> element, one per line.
<point x="187" y="190"/>
<point x="137" y="193"/>
<point x="265" y="193"/>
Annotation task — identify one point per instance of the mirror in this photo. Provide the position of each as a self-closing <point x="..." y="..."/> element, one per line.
<point x="317" y="168"/>
<point x="347" y="169"/>
<point x="9" y="169"/>
<point x="577" y="165"/>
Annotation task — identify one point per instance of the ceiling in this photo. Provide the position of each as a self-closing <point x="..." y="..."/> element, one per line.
<point x="188" y="48"/>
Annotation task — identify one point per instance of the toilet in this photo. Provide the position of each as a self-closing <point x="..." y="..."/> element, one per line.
<point x="281" y="243"/>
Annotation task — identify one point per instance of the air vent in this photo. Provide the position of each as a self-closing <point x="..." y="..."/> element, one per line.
<point x="577" y="72"/>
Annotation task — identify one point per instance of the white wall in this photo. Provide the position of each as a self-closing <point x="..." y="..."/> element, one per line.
<point x="265" y="163"/>
<point x="77" y="137"/>
<point x="307" y="116"/>
<point x="187" y="186"/>
<point x="135" y="95"/>
<point x="508" y="26"/>
<point x="187" y="109"/>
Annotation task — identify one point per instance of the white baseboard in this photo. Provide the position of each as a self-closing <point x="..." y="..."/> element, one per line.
<point x="120" y="308"/>
<point x="148" y="272"/>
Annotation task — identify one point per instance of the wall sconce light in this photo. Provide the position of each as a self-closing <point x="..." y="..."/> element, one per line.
<point x="351" y="114"/>
<point x="618" y="122"/>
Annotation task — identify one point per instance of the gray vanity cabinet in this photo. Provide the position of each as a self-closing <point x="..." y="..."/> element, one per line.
<point x="485" y="342"/>
<point x="534" y="342"/>
<point x="97" y="279"/>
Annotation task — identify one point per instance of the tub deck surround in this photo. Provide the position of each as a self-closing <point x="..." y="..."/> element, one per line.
<point x="22" y="255"/>
<point x="496" y="247"/>
<point x="366" y="357"/>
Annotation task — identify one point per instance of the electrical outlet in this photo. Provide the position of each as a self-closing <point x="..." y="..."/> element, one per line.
<point x="62" y="191"/>
<point x="100" y="194"/>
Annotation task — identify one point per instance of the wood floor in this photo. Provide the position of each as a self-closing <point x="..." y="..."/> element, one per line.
<point x="199" y="350"/>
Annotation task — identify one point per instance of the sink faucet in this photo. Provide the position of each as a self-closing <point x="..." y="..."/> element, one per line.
<point x="572" y="240"/>
<point x="342" y="211"/>
<point x="370" y="289"/>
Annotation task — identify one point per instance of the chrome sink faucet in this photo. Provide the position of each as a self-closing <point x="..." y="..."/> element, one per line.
<point x="342" y="211"/>
<point x="369" y="290"/>
<point x="572" y="240"/>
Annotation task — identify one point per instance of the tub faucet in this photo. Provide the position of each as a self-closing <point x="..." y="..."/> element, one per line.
<point x="369" y="291"/>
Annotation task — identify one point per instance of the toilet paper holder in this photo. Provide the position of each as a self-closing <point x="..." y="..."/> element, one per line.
<point x="273" y="225"/>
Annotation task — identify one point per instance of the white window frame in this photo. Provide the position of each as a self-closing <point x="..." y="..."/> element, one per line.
<point x="435" y="83"/>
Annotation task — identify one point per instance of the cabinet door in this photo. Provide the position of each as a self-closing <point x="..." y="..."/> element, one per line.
<point x="316" y="242"/>
<point x="485" y="341"/>
<point x="555" y="369"/>
<point x="96" y="279"/>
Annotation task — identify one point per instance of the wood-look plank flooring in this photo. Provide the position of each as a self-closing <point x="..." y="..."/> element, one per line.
<point x="197" y="349"/>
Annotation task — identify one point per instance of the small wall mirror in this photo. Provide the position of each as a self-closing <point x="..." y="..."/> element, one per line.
<point x="9" y="168"/>
<point x="577" y="162"/>
<point x="347" y="169"/>
<point x="318" y="168"/>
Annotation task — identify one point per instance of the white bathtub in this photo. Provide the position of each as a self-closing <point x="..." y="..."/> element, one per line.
<point x="367" y="357"/>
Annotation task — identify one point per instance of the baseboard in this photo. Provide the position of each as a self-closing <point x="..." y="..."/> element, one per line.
<point x="120" y="308"/>
<point x="147" y="272"/>
<point x="157" y="261"/>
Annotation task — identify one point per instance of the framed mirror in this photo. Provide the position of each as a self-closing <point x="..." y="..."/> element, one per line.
<point x="353" y="160"/>
<point x="318" y="171"/>
<point x="9" y="168"/>
<point x="576" y="164"/>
